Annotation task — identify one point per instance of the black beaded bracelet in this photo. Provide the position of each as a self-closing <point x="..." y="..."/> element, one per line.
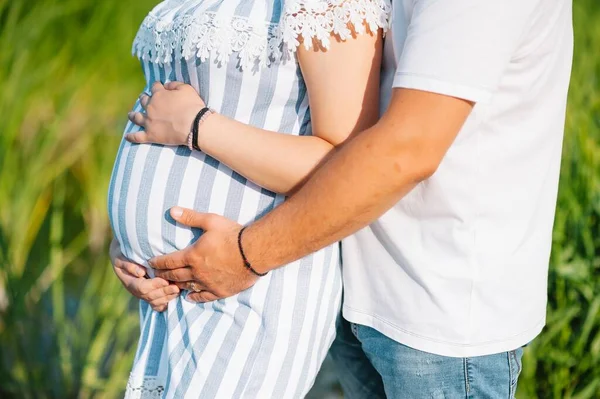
<point x="197" y="120"/>
<point x="246" y="263"/>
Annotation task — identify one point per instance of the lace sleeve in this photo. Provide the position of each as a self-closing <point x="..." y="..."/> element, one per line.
<point x="256" y="43"/>
<point x="318" y="20"/>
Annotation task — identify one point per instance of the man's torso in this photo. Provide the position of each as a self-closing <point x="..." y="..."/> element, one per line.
<point x="459" y="266"/>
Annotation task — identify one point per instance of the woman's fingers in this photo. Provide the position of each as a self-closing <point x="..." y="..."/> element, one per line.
<point x="156" y="87"/>
<point x="161" y="293"/>
<point x="160" y="308"/>
<point x="156" y="291"/>
<point x="132" y="268"/>
<point x="160" y="305"/>
<point x="144" y="101"/>
<point x="173" y="85"/>
<point x="139" y="287"/>
<point x="128" y="280"/>
<point x="146" y="286"/>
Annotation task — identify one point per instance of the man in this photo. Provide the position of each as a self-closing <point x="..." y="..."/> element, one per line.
<point x="451" y="197"/>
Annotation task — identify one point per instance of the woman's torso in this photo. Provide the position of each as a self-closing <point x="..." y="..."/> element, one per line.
<point x="228" y="51"/>
<point x="269" y="340"/>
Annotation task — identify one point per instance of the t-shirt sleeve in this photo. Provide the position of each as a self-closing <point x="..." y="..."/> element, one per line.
<point x="461" y="48"/>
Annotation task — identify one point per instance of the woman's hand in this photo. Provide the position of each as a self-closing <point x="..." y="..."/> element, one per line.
<point x="168" y="114"/>
<point x="156" y="291"/>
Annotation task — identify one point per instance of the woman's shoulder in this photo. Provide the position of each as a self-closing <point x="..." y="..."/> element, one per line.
<point x="261" y="33"/>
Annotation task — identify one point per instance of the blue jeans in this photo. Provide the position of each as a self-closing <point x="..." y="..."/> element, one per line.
<point x="371" y="365"/>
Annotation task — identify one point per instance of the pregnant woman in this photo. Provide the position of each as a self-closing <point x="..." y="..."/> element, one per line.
<point x="288" y="81"/>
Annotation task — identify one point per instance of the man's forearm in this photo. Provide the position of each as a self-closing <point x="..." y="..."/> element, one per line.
<point x="358" y="184"/>
<point x="343" y="196"/>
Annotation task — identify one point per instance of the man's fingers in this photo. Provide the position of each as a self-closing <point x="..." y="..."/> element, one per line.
<point x="156" y="87"/>
<point x="202" y="297"/>
<point x="174" y="260"/>
<point x="137" y="137"/>
<point x="144" y="100"/>
<point x="173" y="85"/>
<point x="189" y="217"/>
<point x="160" y="305"/>
<point x="182" y="274"/>
<point x="138" y="118"/>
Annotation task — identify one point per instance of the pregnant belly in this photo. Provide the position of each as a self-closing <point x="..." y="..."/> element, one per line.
<point x="148" y="180"/>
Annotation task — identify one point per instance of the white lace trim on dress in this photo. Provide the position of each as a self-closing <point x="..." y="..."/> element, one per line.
<point x="150" y="388"/>
<point x="257" y="44"/>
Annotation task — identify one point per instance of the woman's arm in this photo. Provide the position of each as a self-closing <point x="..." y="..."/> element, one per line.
<point x="343" y="93"/>
<point x="343" y="90"/>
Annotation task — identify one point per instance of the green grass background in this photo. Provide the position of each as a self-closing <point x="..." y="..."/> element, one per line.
<point x="68" y="329"/>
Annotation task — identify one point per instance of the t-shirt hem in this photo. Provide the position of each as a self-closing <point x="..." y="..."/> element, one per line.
<point x="438" y="347"/>
<point x="433" y="85"/>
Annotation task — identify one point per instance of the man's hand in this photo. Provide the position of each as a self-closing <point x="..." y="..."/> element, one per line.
<point x="168" y="114"/>
<point x="157" y="291"/>
<point x="213" y="262"/>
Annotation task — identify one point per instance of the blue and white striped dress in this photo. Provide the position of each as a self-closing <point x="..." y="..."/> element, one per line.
<point x="268" y="341"/>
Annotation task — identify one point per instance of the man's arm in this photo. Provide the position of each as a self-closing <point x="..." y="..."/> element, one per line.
<point x="362" y="181"/>
<point x="367" y="176"/>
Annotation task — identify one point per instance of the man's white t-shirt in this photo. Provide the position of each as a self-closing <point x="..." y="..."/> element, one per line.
<point x="459" y="266"/>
